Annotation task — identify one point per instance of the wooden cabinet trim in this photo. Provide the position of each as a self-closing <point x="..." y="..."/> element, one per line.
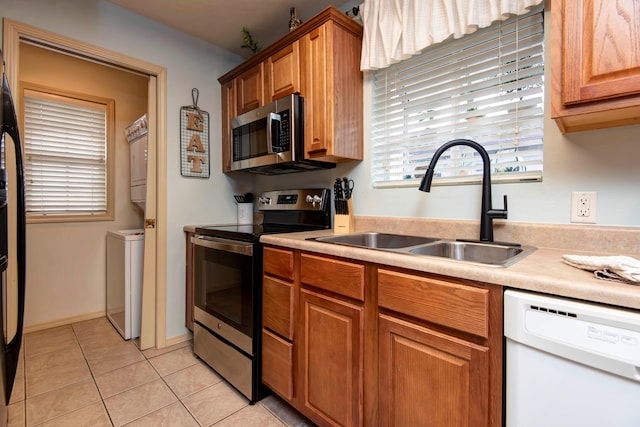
<point x="329" y="14"/>
<point x="189" y="291"/>
<point x="228" y="112"/>
<point x="444" y="302"/>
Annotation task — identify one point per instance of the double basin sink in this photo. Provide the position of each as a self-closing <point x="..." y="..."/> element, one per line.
<point x="491" y="254"/>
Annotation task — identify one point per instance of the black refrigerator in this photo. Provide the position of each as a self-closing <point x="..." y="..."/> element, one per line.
<point x="10" y="328"/>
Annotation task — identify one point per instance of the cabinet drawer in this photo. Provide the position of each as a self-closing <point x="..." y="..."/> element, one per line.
<point x="277" y="364"/>
<point x="278" y="262"/>
<point x="333" y="275"/>
<point x="277" y="306"/>
<point x="444" y="302"/>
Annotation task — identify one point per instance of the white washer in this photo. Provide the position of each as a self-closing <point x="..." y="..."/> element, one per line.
<point x="125" y="249"/>
<point x="570" y="363"/>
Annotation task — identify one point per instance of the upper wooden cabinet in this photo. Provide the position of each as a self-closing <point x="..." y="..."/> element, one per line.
<point x="595" y="64"/>
<point x="321" y="60"/>
<point x="332" y="88"/>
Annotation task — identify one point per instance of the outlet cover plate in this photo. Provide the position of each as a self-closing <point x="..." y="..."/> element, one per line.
<point x="584" y="207"/>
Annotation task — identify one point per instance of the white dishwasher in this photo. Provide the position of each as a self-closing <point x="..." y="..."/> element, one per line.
<point x="570" y="363"/>
<point x="125" y="252"/>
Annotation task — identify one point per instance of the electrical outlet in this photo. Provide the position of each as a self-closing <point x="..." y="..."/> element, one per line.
<point x="583" y="207"/>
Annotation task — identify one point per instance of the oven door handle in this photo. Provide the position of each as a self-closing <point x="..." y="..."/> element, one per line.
<point x="223" y="244"/>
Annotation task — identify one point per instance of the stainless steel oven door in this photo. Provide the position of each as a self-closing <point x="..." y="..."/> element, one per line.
<point x="225" y="278"/>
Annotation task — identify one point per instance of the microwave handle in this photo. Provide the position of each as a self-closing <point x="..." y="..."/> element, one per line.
<point x="273" y="117"/>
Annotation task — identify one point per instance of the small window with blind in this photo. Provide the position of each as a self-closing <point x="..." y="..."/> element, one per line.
<point x="67" y="156"/>
<point x="487" y="87"/>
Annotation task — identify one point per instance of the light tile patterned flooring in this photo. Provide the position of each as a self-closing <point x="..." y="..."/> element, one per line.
<point x="85" y="374"/>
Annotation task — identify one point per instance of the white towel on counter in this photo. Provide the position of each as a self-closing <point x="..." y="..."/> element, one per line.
<point x="618" y="268"/>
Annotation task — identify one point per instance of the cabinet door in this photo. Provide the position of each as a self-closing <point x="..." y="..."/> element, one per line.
<point x="595" y="61"/>
<point x="331" y="359"/>
<point x="250" y="89"/>
<point x="283" y="72"/>
<point x="317" y="93"/>
<point x="601" y="49"/>
<point x="427" y="378"/>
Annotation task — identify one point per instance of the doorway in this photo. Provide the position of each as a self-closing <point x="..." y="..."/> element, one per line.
<point x="153" y="331"/>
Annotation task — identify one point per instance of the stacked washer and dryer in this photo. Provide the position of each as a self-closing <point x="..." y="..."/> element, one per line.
<point x="125" y="248"/>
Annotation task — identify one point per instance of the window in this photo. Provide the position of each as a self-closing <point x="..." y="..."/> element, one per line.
<point x="487" y="86"/>
<point x="67" y="156"/>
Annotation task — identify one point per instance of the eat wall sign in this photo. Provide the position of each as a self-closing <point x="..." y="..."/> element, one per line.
<point x="194" y="142"/>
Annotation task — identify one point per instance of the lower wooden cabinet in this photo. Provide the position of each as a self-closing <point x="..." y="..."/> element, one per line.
<point x="351" y="343"/>
<point x="331" y="347"/>
<point x="427" y="378"/>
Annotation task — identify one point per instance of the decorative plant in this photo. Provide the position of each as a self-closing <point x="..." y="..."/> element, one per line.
<point x="249" y="42"/>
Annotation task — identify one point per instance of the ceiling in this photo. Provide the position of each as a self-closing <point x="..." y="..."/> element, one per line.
<point x="220" y="21"/>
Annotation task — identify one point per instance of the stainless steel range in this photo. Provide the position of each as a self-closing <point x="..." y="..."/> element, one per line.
<point x="228" y="283"/>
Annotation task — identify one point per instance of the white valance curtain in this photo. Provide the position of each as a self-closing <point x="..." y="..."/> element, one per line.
<point x="397" y="29"/>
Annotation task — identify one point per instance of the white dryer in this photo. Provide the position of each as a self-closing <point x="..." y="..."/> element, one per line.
<point x="125" y="250"/>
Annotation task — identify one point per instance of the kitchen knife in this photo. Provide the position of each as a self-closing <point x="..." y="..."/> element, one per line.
<point x="337" y="189"/>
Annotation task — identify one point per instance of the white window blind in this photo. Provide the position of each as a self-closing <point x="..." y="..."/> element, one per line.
<point x="65" y="154"/>
<point x="487" y="87"/>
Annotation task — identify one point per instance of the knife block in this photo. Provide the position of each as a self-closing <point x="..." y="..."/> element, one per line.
<point x="343" y="224"/>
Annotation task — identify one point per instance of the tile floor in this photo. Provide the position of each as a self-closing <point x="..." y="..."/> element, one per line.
<point x="85" y="374"/>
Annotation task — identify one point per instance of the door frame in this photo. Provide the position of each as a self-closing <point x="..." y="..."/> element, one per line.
<point x="153" y="330"/>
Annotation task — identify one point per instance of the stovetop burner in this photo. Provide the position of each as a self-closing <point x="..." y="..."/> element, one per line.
<point x="284" y="211"/>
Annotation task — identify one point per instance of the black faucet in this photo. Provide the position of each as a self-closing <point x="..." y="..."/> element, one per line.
<point x="487" y="214"/>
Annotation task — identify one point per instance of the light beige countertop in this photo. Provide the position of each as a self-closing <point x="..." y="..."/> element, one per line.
<point x="542" y="271"/>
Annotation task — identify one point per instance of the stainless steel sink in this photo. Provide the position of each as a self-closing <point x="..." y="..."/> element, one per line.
<point x="490" y="254"/>
<point x="483" y="253"/>
<point x="377" y="240"/>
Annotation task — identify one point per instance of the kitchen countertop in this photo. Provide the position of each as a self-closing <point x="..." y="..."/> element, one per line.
<point x="542" y="271"/>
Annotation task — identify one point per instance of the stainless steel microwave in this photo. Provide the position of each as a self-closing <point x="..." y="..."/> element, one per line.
<point x="270" y="139"/>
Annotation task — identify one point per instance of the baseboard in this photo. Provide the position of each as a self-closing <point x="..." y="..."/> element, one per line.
<point x="178" y="339"/>
<point x="65" y="321"/>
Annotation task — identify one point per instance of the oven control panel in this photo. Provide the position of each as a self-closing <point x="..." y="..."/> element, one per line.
<point x="310" y="199"/>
